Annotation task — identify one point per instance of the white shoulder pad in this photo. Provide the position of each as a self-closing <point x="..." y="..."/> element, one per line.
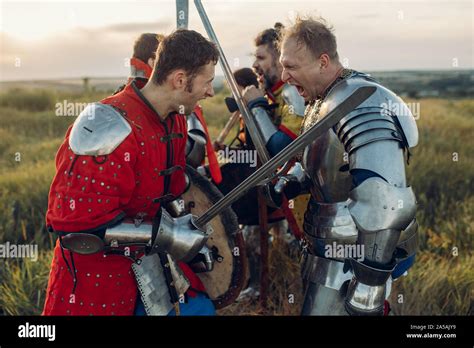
<point x="98" y="130"/>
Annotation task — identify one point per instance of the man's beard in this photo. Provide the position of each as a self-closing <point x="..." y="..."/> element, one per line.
<point x="269" y="81"/>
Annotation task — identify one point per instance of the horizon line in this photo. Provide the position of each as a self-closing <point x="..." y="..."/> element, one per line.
<point x="221" y="75"/>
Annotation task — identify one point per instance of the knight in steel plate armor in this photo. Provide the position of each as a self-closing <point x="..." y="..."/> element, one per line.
<point x="360" y="227"/>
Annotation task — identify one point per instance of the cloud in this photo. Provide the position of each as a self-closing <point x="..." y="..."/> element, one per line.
<point x="367" y="16"/>
<point x="150" y="27"/>
<point x="416" y="40"/>
<point x="77" y="52"/>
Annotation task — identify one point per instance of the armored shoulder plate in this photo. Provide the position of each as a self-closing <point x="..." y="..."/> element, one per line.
<point x="377" y="112"/>
<point x="292" y="98"/>
<point x="98" y="130"/>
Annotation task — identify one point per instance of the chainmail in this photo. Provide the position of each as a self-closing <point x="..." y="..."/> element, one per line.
<point x="311" y="115"/>
<point x="312" y="110"/>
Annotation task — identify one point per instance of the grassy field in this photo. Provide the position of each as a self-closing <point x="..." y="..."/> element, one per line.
<point x="440" y="171"/>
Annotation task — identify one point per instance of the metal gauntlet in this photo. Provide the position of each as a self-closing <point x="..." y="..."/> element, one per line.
<point x="296" y="177"/>
<point x="179" y="237"/>
<point x="367" y="289"/>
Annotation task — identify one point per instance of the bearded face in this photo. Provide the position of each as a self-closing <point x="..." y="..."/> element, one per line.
<point x="266" y="67"/>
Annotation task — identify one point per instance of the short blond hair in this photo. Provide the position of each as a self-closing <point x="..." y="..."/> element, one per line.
<point x="315" y="34"/>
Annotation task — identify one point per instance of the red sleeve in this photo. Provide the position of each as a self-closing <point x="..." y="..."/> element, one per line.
<point x="88" y="192"/>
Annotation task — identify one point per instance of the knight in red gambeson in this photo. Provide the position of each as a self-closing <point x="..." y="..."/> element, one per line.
<point x="113" y="200"/>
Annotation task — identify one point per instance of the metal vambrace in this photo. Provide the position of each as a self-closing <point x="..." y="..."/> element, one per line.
<point x="262" y="118"/>
<point x="179" y="237"/>
<point x="381" y="212"/>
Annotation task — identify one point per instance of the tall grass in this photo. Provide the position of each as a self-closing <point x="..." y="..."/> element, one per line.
<point x="23" y="286"/>
<point x="30" y="100"/>
<point x="437" y="285"/>
<point x="440" y="171"/>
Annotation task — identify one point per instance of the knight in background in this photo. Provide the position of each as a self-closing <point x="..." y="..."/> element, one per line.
<point x="360" y="200"/>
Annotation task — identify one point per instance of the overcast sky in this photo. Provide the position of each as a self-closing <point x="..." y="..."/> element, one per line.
<point x="63" y="39"/>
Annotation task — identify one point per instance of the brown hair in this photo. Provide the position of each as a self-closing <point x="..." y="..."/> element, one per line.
<point x="316" y="34"/>
<point x="245" y="77"/>
<point x="146" y="45"/>
<point x="183" y="49"/>
<point x="271" y="37"/>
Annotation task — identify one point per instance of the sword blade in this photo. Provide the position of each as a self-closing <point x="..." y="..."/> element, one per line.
<point x="257" y="139"/>
<point x="297" y="145"/>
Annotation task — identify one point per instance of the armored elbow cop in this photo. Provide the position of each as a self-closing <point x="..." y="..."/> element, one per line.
<point x="178" y="237"/>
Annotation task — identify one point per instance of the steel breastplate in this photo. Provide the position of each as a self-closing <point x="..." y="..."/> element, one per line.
<point x="324" y="159"/>
<point x="326" y="163"/>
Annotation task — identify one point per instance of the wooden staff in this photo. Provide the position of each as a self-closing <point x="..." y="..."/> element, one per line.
<point x="227" y="128"/>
